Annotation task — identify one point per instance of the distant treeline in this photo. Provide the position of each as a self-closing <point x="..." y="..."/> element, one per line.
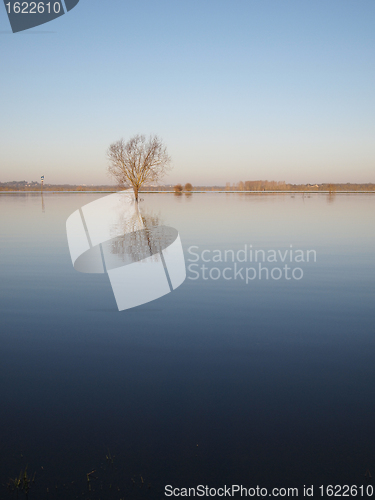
<point x="283" y="186"/>
<point x="37" y="186"/>
<point x="239" y="186"/>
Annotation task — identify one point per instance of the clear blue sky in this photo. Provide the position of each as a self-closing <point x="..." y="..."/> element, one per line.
<point x="238" y="90"/>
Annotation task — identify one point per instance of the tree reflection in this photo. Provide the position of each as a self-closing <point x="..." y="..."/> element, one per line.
<point x="139" y="235"/>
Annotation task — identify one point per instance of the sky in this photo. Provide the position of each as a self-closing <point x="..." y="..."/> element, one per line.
<point x="237" y="89"/>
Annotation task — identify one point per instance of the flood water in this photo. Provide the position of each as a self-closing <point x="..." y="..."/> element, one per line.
<point x="246" y="374"/>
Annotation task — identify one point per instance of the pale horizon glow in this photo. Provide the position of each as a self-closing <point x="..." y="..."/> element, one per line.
<point x="238" y="91"/>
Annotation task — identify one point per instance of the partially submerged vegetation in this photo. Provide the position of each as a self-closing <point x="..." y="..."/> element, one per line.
<point x="22" y="483"/>
<point x="111" y="479"/>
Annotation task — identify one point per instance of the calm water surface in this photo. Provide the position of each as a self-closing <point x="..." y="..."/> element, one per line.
<point x="269" y="383"/>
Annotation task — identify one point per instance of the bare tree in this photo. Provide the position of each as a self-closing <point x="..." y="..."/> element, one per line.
<point x="138" y="161"/>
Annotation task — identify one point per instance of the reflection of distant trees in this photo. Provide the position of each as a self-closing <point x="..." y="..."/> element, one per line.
<point x="331" y="197"/>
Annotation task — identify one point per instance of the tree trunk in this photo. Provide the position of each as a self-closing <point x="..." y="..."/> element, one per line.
<point x="136" y="193"/>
